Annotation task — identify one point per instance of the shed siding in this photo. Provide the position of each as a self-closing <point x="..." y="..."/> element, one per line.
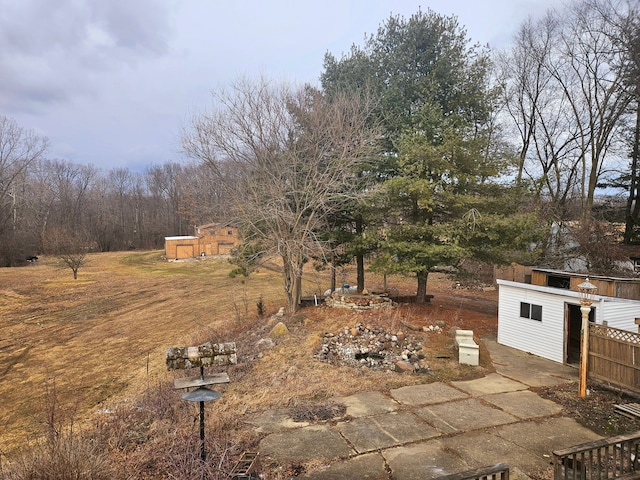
<point x="545" y="338"/>
<point x="621" y="314"/>
<point x="172" y="246"/>
<point x="615" y="287"/>
<point x="225" y="248"/>
<point x="184" y="251"/>
<point x="627" y="290"/>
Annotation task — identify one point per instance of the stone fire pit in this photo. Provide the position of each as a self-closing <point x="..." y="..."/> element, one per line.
<point x="357" y="302"/>
<point x="364" y="346"/>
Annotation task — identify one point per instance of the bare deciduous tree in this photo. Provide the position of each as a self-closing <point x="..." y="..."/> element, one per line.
<point x="71" y="248"/>
<point x="287" y="158"/>
<point x="166" y="185"/>
<point x="567" y="96"/>
<point x="19" y="150"/>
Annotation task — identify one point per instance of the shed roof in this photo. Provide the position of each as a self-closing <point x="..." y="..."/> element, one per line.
<point x="585" y="275"/>
<point x="564" y="292"/>
<point x="182" y="237"/>
<point x="540" y="288"/>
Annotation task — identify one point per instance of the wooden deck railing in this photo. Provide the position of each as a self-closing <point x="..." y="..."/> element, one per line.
<point x="499" y="471"/>
<point x="609" y="458"/>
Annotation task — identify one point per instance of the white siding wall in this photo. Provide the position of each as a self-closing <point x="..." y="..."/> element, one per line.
<point x="546" y="338"/>
<point x="620" y="313"/>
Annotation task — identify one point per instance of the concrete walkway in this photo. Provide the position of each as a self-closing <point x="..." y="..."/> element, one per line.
<point x="430" y="430"/>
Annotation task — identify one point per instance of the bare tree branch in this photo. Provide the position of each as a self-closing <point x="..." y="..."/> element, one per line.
<point x="287" y="158"/>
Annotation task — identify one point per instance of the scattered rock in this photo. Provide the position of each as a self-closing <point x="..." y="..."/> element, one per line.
<point x="279" y="330"/>
<point x="280" y="313"/>
<point x="404" y="366"/>
<point x="365" y="346"/>
<point x="432" y="328"/>
<point x="411" y="326"/>
<point x="265" y="343"/>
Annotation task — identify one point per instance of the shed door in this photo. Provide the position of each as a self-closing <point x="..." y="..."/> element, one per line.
<point x="573" y="331"/>
<point x="184" y="251"/>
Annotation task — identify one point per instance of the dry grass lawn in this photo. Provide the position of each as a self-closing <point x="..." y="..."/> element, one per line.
<point x="97" y="336"/>
<point x="102" y="338"/>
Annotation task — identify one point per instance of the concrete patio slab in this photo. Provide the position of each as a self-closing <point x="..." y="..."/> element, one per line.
<point x="463" y="415"/>
<point x="273" y="421"/>
<point x="383" y="431"/>
<point x="423" y="461"/>
<point x="524" y="404"/>
<point x="427" y="394"/>
<point x="492" y="383"/>
<point x="370" y="466"/>
<point x="483" y="448"/>
<point x="486" y="421"/>
<point x="307" y="444"/>
<point x="527" y="368"/>
<point x="547" y="435"/>
<point x="367" y="403"/>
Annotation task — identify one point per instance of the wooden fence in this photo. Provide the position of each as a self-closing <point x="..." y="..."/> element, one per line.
<point x="606" y="459"/>
<point x="614" y="356"/>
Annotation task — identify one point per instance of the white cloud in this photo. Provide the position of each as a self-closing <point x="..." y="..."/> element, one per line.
<point x="51" y="52"/>
<point x="112" y="82"/>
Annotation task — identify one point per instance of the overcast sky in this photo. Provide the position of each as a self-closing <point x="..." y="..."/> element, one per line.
<point x="113" y="82"/>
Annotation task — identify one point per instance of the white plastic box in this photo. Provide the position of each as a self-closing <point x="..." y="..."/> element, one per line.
<point x="468" y="349"/>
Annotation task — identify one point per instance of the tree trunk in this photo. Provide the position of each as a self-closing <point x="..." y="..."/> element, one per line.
<point x="288" y="281"/>
<point x="421" y="293"/>
<point x="292" y="276"/>
<point x="298" y="290"/>
<point x="633" y="206"/>
<point x="360" y="255"/>
<point x="333" y="271"/>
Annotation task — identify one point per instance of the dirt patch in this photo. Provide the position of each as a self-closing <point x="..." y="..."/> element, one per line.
<point x="314" y="413"/>
<point x="597" y="410"/>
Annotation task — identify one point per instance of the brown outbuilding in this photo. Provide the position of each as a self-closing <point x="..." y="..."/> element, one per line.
<point x="210" y="239"/>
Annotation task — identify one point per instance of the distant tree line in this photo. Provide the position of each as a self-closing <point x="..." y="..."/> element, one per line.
<point x="419" y="150"/>
<point x="56" y="206"/>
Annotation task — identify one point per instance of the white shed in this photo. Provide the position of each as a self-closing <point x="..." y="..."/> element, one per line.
<point x="546" y="321"/>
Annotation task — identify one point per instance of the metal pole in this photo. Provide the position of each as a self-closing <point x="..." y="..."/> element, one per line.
<point x="584" y="350"/>
<point x="203" y="454"/>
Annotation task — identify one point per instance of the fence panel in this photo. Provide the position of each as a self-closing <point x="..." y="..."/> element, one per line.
<point x="614" y="356"/>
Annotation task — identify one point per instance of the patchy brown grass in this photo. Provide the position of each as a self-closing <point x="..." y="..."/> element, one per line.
<point x="107" y="332"/>
<point x="102" y="340"/>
